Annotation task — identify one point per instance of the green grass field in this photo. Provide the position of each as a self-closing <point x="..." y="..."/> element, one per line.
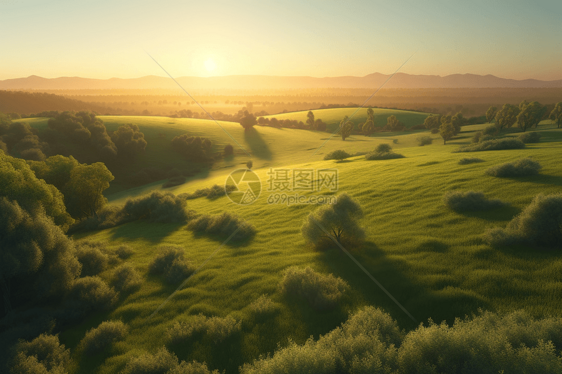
<point x="431" y="259"/>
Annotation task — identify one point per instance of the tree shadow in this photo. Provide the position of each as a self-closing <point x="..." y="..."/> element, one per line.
<point x="257" y="145"/>
<point x="542" y="179"/>
<point x="500" y="214"/>
<point x="154" y="232"/>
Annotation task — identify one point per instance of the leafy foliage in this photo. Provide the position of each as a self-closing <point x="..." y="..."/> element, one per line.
<point x="91" y="293"/>
<point x="223" y="226"/>
<point x="171" y="263"/>
<point x="216" y="328"/>
<point x="129" y="140"/>
<point x="126" y="279"/>
<point x="424" y="140"/>
<point x="520" y="168"/>
<point x="91" y="257"/>
<point x="470" y="160"/>
<point x="492" y="145"/>
<point x="337" y="155"/>
<point x="99" y="338"/>
<point x="530" y="137"/>
<point x="164" y="362"/>
<point x="193" y="148"/>
<point x="466" y="201"/>
<point x="43" y="354"/>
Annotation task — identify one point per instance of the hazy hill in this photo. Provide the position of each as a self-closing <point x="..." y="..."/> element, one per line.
<point x="241" y="82"/>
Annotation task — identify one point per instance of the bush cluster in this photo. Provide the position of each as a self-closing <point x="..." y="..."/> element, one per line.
<point x="43" y="354"/>
<point x="90" y="255"/>
<point x="216" y="328"/>
<point x="262" y="305"/>
<point x="222" y="226"/>
<point x="530" y="137"/>
<point x="539" y="224"/>
<point x="493" y="145"/>
<point x="520" y="168"/>
<point x="469" y="160"/>
<point x="382" y="152"/>
<point x="126" y="279"/>
<point x="101" y="337"/>
<point x="164" y="362"/>
<point x="91" y="293"/>
<point x="470" y="201"/>
<point x="424" y="140"/>
<point x="171" y="263"/>
<point x="338" y="154"/>
<point x="322" y="292"/>
<point x="371" y="342"/>
<point x="491" y="130"/>
<point x="212" y="192"/>
<point x="124" y="251"/>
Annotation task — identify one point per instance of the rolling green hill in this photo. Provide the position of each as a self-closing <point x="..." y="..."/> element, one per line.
<point x="430" y="258"/>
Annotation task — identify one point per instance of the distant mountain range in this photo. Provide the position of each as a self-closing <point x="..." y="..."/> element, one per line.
<point x="264" y="82"/>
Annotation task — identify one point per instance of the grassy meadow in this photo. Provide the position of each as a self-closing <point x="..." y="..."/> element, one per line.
<point x="431" y="259"/>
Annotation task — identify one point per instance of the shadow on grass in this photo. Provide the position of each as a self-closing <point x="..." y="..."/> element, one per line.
<point x="257" y="145"/>
<point x="542" y="179"/>
<point x="501" y="214"/>
<point x="154" y="232"/>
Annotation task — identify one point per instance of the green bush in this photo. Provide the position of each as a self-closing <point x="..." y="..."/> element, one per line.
<point x="371" y="342"/>
<point x="424" y="140"/>
<point x="322" y="292"/>
<point x="262" y="305"/>
<point x="477" y="136"/>
<point x="491" y="130"/>
<point x="469" y="160"/>
<point x="223" y="226"/>
<point x="124" y="251"/>
<point x="126" y="279"/>
<point x="493" y="145"/>
<point x="164" y="362"/>
<point x="520" y="168"/>
<point x="470" y="201"/>
<point x="157" y="207"/>
<point x="91" y="293"/>
<point x="539" y="224"/>
<point x="43" y="354"/>
<point x="216" y="328"/>
<point x="486" y="138"/>
<point x="530" y="137"/>
<point x="90" y="255"/>
<point x="337" y="155"/>
<point x="383" y="148"/>
<point x="212" y="192"/>
<point x="171" y="263"/>
<point x="101" y="337"/>
<point x="383" y="156"/>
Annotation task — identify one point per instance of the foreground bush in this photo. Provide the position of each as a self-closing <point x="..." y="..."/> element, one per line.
<point x="223" y="226"/>
<point x="470" y="201"/>
<point x="469" y="160"/>
<point x="530" y="137"/>
<point x="91" y="293"/>
<point x="322" y="292"/>
<point x="520" y="168"/>
<point x="382" y="152"/>
<point x="126" y="279"/>
<point x="337" y="155"/>
<point x="216" y="328"/>
<point x="371" y="342"/>
<point x="424" y="140"/>
<point x="262" y="305"/>
<point x="101" y="337"/>
<point x="90" y="255"/>
<point x="43" y="354"/>
<point x="124" y="251"/>
<point x="493" y="145"/>
<point x="171" y="263"/>
<point x="539" y="224"/>
<point x="164" y="362"/>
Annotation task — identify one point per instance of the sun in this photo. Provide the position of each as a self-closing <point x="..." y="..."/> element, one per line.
<point x="210" y="65"/>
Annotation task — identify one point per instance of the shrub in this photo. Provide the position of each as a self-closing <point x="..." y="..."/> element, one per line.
<point x="124" y="251"/>
<point x="91" y="257"/>
<point x="520" y="168"/>
<point x="383" y="156"/>
<point x="493" y="145"/>
<point x="470" y="201"/>
<point x="371" y="342"/>
<point x="171" y="263"/>
<point x="164" y="362"/>
<point x="491" y="130"/>
<point x="395" y="141"/>
<point x="477" y="136"/>
<point x="322" y="292"/>
<point x="175" y="181"/>
<point x="223" y="226"/>
<point x="383" y="148"/>
<point x="228" y="150"/>
<point x="126" y="279"/>
<point x="43" y="354"/>
<point x="91" y="293"/>
<point x="337" y="155"/>
<point x="262" y="305"/>
<point x="216" y="328"/>
<point x="469" y="160"/>
<point x="539" y="224"/>
<point x="486" y="138"/>
<point x="530" y="137"/>
<point x="157" y="207"/>
<point x="101" y="337"/>
<point x="424" y="140"/>
<point x="194" y="148"/>
<point x="212" y="192"/>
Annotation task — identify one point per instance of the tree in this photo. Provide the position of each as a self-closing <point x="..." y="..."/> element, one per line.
<point x="248" y="120"/>
<point x="55" y="170"/>
<point x="368" y="127"/>
<point x="36" y="259"/>
<point x="507" y="116"/>
<point x="491" y="113"/>
<point x="335" y="221"/>
<point x="458" y="121"/>
<point x="393" y="124"/>
<point x="194" y="148"/>
<point x="447" y="131"/>
<point x="371" y="115"/>
<point x="556" y="114"/>
<point x="84" y="190"/>
<point x="530" y="115"/>
<point x="129" y="140"/>
<point x="432" y="122"/>
<point x="310" y="119"/>
<point x="319" y="125"/>
<point x="346" y="127"/>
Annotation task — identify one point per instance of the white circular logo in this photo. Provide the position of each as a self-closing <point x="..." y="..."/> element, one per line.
<point x="242" y="186"/>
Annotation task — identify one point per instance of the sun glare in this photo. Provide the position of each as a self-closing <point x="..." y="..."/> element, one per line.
<point x="210" y="65"/>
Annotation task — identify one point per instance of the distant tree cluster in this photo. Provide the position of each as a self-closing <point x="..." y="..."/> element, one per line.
<point x="525" y="115"/>
<point x="193" y="148"/>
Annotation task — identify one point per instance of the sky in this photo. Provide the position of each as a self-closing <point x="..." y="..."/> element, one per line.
<point x="112" y="38"/>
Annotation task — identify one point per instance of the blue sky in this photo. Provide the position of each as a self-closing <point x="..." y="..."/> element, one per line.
<point x="103" y="39"/>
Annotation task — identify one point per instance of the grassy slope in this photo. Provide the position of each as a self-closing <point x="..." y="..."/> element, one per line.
<point x="431" y="259"/>
<point x="332" y="117"/>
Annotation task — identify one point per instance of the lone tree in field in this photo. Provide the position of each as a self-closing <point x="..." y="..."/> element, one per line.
<point x="556" y="114"/>
<point x="310" y="119"/>
<point x="248" y="120"/>
<point x="447" y="131"/>
<point x="432" y="122"/>
<point x="506" y="116"/>
<point x="346" y="127"/>
<point x="491" y="113"/>
<point x="530" y="115"/>
<point x="393" y="124"/>
<point x="84" y="190"/>
<point x="368" y="127"/>
<point x="458" y="121"/>
<point x="334" y="222"/>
